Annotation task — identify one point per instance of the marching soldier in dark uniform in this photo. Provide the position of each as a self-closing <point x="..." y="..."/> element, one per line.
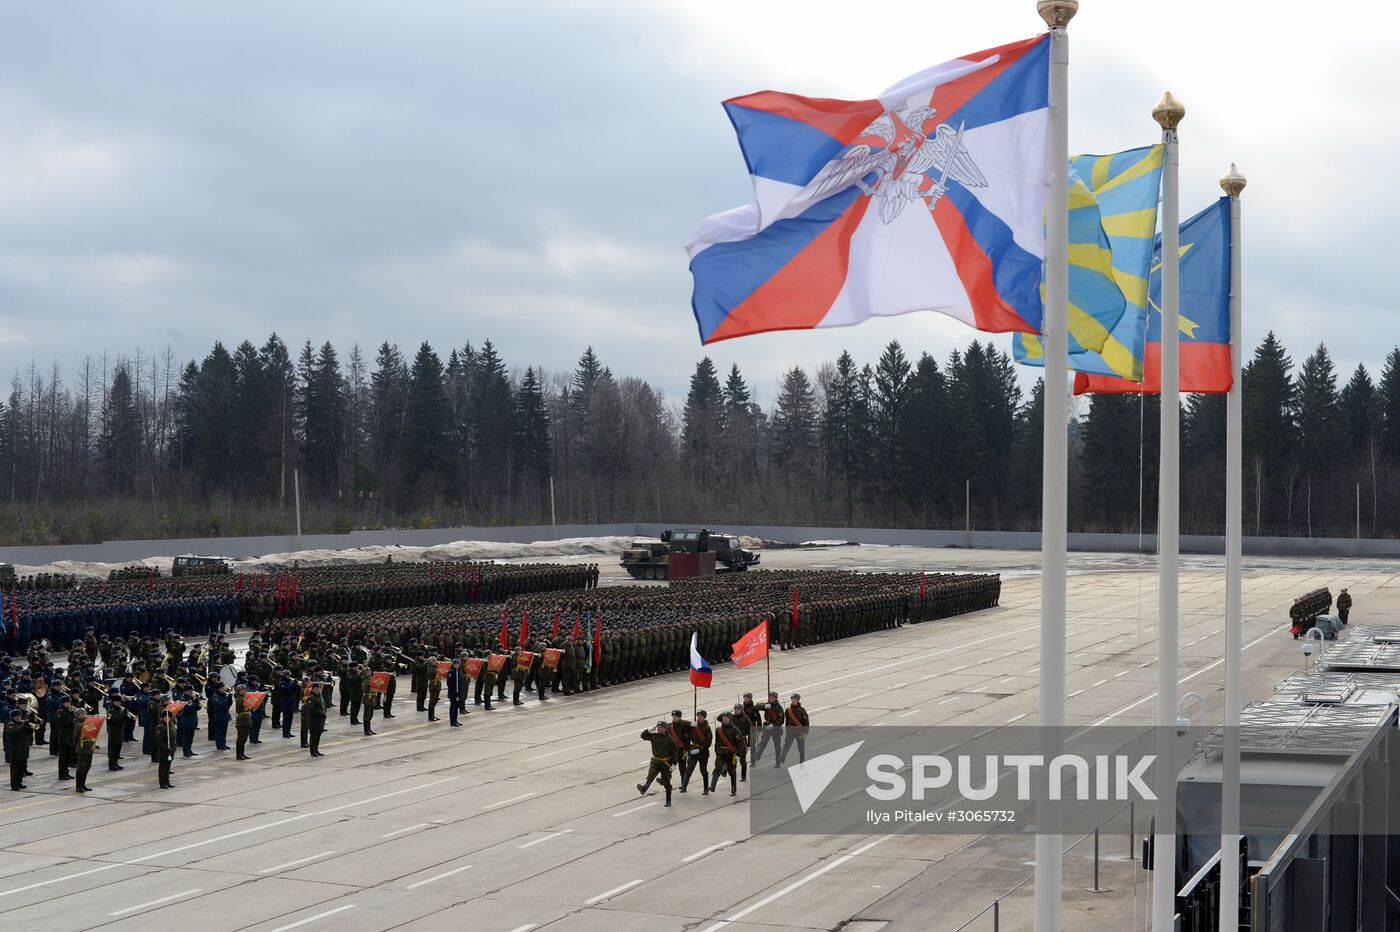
<point x="729" y="749"/>
<point x="744" y="726"/>
<point x="772" y="729"/>
<point x="368" y="698"/>
<point x="117" y="718"/>
<point x="352" y="685"/>
<point x="697" y="753"/>
<point x="663" y="752"/>
<point x="456" y="692"/>
<point x="20" y="735"/>
<point x="63" y="734"/>
<point x="84" y="748"/>
<point x="166" y="743"/>
<point x="1343" y="605"/>
<point x="242" y="722"/>
<point x="432" y="687"/>
<point x="419" y="680"/>
<point x="795" y="724"/>
<point x="314" y="710"/>
<point x="220" y="705"/>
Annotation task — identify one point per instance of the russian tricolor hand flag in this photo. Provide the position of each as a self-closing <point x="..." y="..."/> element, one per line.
<point x="700" y="673"/>
<point x="929" y="197"/>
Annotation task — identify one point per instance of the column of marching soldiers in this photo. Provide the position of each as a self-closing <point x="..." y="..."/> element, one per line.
<point x="327" y="639"/>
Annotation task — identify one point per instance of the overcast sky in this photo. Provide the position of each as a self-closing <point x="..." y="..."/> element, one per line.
<point x="176" y="173"/>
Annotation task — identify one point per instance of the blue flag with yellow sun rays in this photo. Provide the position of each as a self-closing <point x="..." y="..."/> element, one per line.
<point x="1126" y="187"/>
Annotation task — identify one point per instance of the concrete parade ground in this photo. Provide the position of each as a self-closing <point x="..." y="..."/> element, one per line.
<point x="528" y="818"/>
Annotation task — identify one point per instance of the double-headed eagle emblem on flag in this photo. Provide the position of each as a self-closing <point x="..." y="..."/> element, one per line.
<point x="900" y="157"/>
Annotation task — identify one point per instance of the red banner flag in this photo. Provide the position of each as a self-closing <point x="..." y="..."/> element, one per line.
<point x="253" y="701"/>
<point x="524" y="627"/>
<point x="472" y="666"/>
<point x="578" y="624"/>
<point x="174" y="707"/>
<point x="444" y="667"/>
<point x="923" y="585"/>
<point x="551" y="658"/>
<point x="238" y="585"/>
<point x="752" y="647"/>
<point x="523" y="659"/>
<point x="794" y="608"/>
<point x="92" y="727"/>
<point x="379" y="682"/>
<point x="505" y="632"/>
<point x="496" y="663"/>
<point x="552" y="637"/>
<point x="151" y="582"/>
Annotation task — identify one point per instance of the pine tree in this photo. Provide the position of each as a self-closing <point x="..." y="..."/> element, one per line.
<point x="1320" y="432"/>
<point x="388" y="394"/>
<point x="213" y="414"/>
<point x="424" y="452"/>
<point x="1271" y="463"/>
<point x="276" y="450"/>
<point x="846" y="428"/>
<point x="794" y="432"/>
<point x="1360" y="410"/>
<point x="700" y="431"/>
<point x="121" y="440"/>
<point x="322" y="414"/>
<point x="1388" y="392"/>
<point x="892" y="390"/>
<point x="532" y="447"/>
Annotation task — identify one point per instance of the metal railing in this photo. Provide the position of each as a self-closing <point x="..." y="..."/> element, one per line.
<point x="995" y="906"/>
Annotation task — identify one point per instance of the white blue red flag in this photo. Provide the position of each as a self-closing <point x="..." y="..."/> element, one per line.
<point x="930" y="197"/>
<point x="700" y="673"/>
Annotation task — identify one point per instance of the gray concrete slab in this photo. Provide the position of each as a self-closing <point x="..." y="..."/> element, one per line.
<point x="540" y="800"/>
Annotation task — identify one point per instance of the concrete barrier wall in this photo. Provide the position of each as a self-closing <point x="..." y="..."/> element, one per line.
<point x="123" y="551"/>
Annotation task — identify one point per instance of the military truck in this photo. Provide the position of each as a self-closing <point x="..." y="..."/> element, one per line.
<point x="703" y="552"/>
<point x="194" y="565"/>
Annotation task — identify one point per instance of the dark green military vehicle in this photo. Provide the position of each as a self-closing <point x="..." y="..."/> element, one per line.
<point x="193" y="565"/>
<point x="651" y="559"/>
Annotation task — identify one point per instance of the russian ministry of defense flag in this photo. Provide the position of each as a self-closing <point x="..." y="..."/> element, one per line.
<point x="700" y="673"/>
<point x="1124" y="188"/>
<point x="930" y="197"/>
<point x="1204" y="312"/>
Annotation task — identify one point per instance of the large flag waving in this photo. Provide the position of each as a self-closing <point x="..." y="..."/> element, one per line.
<point x="929" y="197"/>
<point x="752" y="647"/>
<point x="1125" y="188"/>
<point x="700" y="674"/>
<point x="1204" y="312"/>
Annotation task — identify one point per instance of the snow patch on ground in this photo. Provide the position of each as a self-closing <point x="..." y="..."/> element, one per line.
<point x="536" y="552"/>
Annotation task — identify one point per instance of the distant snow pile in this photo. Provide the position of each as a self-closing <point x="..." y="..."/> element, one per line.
<point x="569" y="549"/>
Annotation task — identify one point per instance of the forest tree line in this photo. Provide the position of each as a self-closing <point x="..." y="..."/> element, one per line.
<point x="143" y="446"/>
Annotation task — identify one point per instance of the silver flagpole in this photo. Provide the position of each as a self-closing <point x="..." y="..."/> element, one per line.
<point x="1054" y="475"/>
<point x="1168" y="113"/>
<point x="1233" y="183"/>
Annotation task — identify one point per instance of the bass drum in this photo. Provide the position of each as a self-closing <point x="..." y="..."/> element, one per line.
<point x="228" y="675"/>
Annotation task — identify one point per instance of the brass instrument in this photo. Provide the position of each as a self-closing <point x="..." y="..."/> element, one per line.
<point x="41" y="688"/>
<point x="143" y="677"/>
<point x="103" y="689"/>
<point x="201" y="680"/>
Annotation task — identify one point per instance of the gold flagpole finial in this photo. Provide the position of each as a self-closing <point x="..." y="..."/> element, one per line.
<point x="1057" y="13"/>
<point x="1169" y="111"/>
<point x="1233" y="181"/>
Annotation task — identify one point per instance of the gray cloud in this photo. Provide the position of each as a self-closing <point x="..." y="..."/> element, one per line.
<point x="174" y="174"/>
